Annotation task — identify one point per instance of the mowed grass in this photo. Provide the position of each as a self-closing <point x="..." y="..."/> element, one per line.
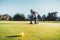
<point x="41" y="31"/>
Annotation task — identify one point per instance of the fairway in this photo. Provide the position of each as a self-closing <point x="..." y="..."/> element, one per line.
<point x="10" y="30"/>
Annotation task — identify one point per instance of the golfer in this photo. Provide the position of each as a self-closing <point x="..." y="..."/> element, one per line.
<point x="33" y="17"/>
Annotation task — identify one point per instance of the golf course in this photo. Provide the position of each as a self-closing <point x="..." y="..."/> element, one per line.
<point x="10" y="30"/>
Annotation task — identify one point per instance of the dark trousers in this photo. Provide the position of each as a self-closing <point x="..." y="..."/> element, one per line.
<point x="35" y="19"/>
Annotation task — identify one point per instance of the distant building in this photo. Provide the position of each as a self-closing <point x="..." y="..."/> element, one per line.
<point x="5" y="17"/>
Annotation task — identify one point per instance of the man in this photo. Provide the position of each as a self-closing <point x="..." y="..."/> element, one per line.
<point x="33" y="17"/>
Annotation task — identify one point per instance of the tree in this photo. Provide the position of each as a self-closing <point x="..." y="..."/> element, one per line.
<point x="44" y="18"/>
<point x="39" y="17"/>
<point x="18" y="17"/>
<point x="1" y="17"/>
<point x="52" y="16"/>
<point x="22" y="17"/>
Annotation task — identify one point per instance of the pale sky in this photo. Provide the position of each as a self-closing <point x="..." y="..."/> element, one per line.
<point x="23" y="6"/>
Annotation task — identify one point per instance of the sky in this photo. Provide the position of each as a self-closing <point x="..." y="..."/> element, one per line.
<point x="12" y="7"/>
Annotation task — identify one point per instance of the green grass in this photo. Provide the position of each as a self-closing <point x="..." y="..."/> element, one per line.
<point x="41" y="31"/>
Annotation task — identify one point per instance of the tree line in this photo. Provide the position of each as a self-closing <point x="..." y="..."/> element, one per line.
<point x="52" y="16"/>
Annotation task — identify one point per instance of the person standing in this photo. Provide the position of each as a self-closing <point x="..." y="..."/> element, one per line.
<point x="33" y="17"/>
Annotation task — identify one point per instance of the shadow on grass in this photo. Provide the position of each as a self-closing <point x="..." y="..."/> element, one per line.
<point x="13" y="36"/>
